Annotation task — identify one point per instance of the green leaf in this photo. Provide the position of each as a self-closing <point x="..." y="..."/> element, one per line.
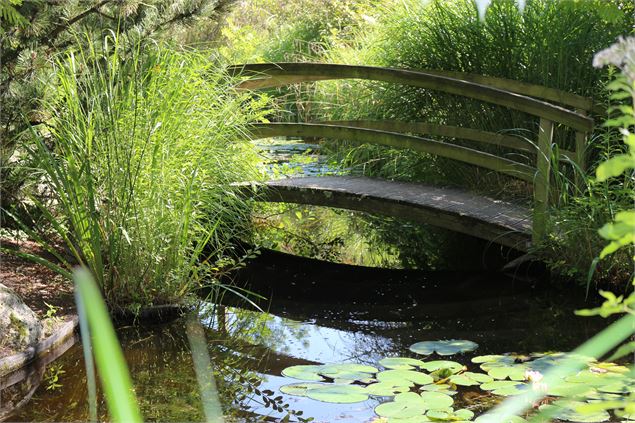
<point x="404" y="377"/>
<point x="443" y="347"/>
<point x="340" y="394"/>
<point x="436" y="400"/>
<point x="299" y="389"/>
<point x="401" y="363"/>
<point x="436" y="365"/>
<point x="614" y="166"/>
<point x="304" y="372"/>
<point x="113" y="371"/>
<point x="470" y="379"/>
<point x="404" y="406"/>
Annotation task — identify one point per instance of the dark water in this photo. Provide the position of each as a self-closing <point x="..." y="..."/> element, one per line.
<point x="361" y="323"/>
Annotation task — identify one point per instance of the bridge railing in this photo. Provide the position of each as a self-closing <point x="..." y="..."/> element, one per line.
<point x="510" y="94"/>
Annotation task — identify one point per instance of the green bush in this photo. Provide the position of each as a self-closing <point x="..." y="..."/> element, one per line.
<point x="139" y="155"/>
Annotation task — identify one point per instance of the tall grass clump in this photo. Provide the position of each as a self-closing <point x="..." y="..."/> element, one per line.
<point x="549" y="43"/>
<point x="142" y="145"/>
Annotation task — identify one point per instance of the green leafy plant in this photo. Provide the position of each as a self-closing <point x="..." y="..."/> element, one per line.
<point x="138" y="157"/>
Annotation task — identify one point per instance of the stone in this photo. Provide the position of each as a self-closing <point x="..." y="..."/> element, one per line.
<point x="20" y="327"/>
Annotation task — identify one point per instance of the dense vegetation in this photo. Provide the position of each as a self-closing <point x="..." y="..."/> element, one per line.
<point x="74" y="90"/>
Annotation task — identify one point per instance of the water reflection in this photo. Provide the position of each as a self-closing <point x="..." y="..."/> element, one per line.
<point x="249" y="350"/>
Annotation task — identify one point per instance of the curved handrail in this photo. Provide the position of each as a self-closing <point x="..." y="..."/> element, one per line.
<point x="532" y="90"/>
<point x="424" y="128"/>
<point x="276" y="74"/>
<point x="392" y="139"/>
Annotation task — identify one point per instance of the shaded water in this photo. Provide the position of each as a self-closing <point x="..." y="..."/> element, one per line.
<point x="361" y="324"/>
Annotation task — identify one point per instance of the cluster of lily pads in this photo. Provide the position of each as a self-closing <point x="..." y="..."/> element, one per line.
<point x="423" y="391"/>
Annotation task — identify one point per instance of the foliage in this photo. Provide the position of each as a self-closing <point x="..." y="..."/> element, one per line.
<point x="114" y="376"/>
<point x="621" y="234"/>
<point x="34" y="32"/>
<point x="138" y="156"/>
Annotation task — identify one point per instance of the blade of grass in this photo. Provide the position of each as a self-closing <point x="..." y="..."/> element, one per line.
<point x="113" y="371"/>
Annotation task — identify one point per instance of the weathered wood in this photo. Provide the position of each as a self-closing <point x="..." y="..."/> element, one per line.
<point x="423" y="128"/>
<point x="276" y="74"/>
<point x="497" y="221"/>
<point x="532" y="90"/>
<point x="541" y="184"/>
<point x="391" y="139"/>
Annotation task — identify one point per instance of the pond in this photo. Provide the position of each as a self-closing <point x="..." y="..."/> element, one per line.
<point x="378" y="314"/>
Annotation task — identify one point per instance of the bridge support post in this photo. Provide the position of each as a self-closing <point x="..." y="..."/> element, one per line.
<point x="541" y="181"/>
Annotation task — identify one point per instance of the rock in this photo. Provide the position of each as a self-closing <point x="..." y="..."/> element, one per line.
<point x="19" y="326"/>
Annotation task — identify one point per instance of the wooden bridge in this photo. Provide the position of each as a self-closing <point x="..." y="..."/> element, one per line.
<point x="494" y="220"/>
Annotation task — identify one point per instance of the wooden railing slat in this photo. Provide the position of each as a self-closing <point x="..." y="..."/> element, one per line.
<point x="391" y="139"/>
<point x="276" y="74"/>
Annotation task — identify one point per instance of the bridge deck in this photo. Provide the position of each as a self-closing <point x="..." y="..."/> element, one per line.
<point x="497" y="221"/>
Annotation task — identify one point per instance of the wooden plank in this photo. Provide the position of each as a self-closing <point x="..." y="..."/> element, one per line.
<point x="497" y="221"/>
<point x="274" y="74"/>
<point x="391" y="139"/>
<point x="541" y="184"/>
<point x="532" y="90"/>
<point x="424" y="128"/>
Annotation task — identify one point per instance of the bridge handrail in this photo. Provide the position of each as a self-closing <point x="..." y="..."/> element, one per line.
<point x="541" y="92"/>
<point x="397" y="140"/>
<point x="277" y="74"/>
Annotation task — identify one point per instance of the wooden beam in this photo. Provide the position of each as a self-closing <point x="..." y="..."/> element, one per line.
<point x="391" y="139"/>
<point x="553" y="95"/>
<point x="457" y="210"/>
<point x="276" y="74"/>
<point x="541" y="183"/>
<point x="423" y="128"/>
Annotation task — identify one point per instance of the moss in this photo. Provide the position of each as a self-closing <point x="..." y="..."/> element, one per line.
<point x="19" y="326"/>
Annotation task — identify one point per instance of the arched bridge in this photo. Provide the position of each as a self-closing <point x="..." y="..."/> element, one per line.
<point x="494" y="220"/>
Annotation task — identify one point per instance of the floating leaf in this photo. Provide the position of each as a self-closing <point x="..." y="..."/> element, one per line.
<point x="436" y="400"/>
<point x="443" y="347"/>
<point x="516" y="372"/>
<point x="436" y="365"/>
<point x="450" y="415"/>
<point x="404" y="377"/>
<point x="566" y="412"/>
<point x="406" y="405"/>
<point x="494" y="418"/>
<point x="340" y="394"/>
<point x="299" y="389"/>
<point x="435" y="387"/>
<point x="401" y="363"/>
<point x="470" y="379"/>
<point x="304" y="372"/>
<point x="346" y="373"/>
<point x="503" y="387"/>
<point x="386" y="389"/>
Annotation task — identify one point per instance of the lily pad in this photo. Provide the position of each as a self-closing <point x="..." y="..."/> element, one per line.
<point x="406" y="405"/>
<point x="386" y="389"/>
<point x="444" y="347"/>
<point x="504" y="387"/>
<point x="404" y="377"/>
<point x="567" y="412"/>
<point x="443" y="388"/>
<point x="340" y="394"/>
<point x="348" y="372"/>
<point x="452" y="366"/>
<point x="436" y="400"/>
<point x="470" y="379"/>
<point x="401" y="363"/>
<point x="493" y="418"/>
<point x="299" y="389"/>
<point x="304" y="372"/>
<point x="516" y="372"/>
<point x="450" y="415"/>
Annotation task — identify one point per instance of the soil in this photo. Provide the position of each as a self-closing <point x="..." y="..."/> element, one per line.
<point x="36" y="284"/>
